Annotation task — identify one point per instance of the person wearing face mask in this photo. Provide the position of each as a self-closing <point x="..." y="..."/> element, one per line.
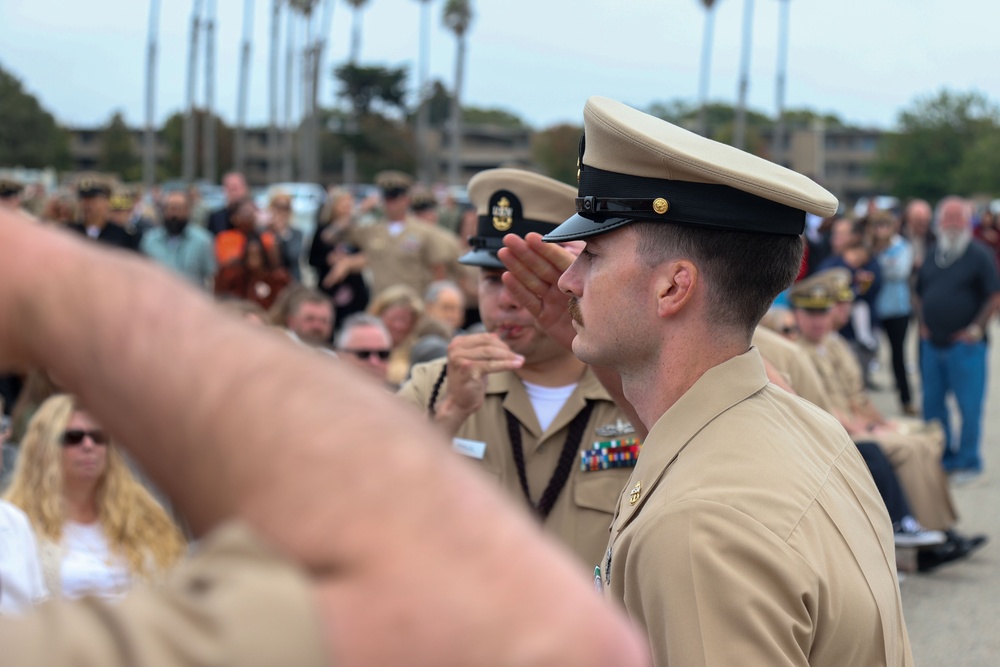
<point x="185" y="248"/>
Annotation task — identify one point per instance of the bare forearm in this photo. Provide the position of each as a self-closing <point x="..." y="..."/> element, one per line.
<point x="128" y="339"/>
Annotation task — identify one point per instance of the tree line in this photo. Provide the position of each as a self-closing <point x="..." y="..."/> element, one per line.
<point x="945" y="143"/>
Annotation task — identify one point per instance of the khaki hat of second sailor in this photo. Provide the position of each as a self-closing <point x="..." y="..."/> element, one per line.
<point x="93" y="186"/>
<point x="422" y="199"/>
<point x="9" y="187"/>
<point x="393" y="183"/>
<point x="513" y="201"/>
<point x="839" y="280"/>
<point x="812" y="293"/>
<point x="635" y="167"/>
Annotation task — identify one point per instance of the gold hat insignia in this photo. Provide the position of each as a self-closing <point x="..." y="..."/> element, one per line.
<point x="503" y="215"/>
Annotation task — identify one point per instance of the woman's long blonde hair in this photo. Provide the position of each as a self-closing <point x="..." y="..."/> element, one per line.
<point x="136" y="526"/>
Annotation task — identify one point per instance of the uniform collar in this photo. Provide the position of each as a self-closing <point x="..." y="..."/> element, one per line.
<point x="589" y="387"/>
<point x="516" y="401"/>
<point x="715" y="392"/>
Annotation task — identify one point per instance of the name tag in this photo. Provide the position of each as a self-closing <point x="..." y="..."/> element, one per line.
<point x="472" y="448"/>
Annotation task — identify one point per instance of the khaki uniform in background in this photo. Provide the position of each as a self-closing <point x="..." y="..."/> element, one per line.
<point x="582" y="513"/>
<point x="793" y="363"/>
<point x="915" y="453"/>
<point x="407" y="258"/>
<point x="234" y="603"/>
<point x="732" y="544"/>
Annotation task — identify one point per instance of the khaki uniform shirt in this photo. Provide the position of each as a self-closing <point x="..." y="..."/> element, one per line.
<point x="406" y="258"/>
<point x="751" y="534"/>
<point x="914" y="450"/>
<point x="234" y="603"/>
<point x="582" y="513"/>
<point x="792" y="362"/>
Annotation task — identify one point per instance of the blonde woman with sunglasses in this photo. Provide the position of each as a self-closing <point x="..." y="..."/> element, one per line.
<point x="99" y="530"/>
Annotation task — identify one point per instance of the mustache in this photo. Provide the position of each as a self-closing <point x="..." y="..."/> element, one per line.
<point x="574" y="310"/>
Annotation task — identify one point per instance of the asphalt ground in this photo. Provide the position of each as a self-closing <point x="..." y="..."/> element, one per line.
<point x="953" y="613"/>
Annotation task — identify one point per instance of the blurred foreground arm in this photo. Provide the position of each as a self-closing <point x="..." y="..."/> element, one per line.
<point x="411" y="561"/>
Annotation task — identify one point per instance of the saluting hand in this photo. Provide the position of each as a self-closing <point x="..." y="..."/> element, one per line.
<point x="533" y="271"/>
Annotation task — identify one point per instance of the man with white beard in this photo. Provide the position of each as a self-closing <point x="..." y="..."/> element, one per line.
<point x="958" y="289"/>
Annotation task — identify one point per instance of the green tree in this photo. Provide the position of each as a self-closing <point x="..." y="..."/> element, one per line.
<point x="118" y="153"/>
<point x="979" y="171"/>
<point x="380" y="143"/>
<point x="501" y="117"/>
<point x="29" y="135"/>
<point x="936" y="135"/>
<point x="173" y="136"/>
<point x="373" y="89"/>
<point x="439" y="105"/>
<point x="555" y="151"/>
<point x="720" y="122"/>
<point x="804" y="119"/>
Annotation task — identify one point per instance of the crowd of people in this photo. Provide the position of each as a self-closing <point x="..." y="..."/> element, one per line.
<point x="545" y="364"/>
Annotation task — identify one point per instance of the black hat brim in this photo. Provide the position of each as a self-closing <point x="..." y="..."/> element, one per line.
<point x="580" y="227"/>
<point x="481" y="258"/>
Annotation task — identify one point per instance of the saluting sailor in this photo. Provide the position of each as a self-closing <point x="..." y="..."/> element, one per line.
<point x="750" y="532"/>
<point x="516" y="401"/>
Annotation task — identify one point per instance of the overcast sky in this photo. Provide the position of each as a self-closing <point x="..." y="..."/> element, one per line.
<point x="541" y="59"/>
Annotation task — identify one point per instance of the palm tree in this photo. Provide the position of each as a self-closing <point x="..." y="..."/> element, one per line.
<point x="350" y="156"/>
<point x="457" y="18"/>
<point x="149" y="138"/>
<point x="311" y="53"/>
<point x="192" y="80"/>
<point x="239" y="145"/>
<point x="288" y="143"/>
<point x="739" y="133"/>
<point x="208" y="140"/>
<point x="355" y="52"/>
<point x="273" y="152"/>
<point x="706" y="65"/>
<point x="423" y="172"/>
<point x="778" y="150"/>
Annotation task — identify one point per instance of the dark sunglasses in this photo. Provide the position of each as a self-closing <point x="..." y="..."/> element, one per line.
<point x="789" y="330"/>
<point x="368" y="354"/>
<point x="75" y="436"/>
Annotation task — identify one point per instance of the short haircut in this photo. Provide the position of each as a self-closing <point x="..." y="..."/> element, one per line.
<point x="360" y="320"/>
<point x="438" y="287"/>
<point x="743" y="271"/>
<point x="291" y="299"/>
<point x="308" y="295"/>
<point x="183" y="193"/>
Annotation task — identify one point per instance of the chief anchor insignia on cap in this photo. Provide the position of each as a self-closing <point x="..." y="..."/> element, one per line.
<point x="635" y="167"/>
<point x="503" y="214"/>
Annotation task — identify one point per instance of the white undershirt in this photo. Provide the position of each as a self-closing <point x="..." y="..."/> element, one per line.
<point x="88" y="566"/>
<point x="548" y="401"/>
<point x="21" y="582"/>
<point x="396" y="227"/>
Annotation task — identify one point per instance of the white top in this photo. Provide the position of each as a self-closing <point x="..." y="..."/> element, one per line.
<point x="21" y="582"/>
<point x="548" y="401"/>
<point x="89" y="568"/>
